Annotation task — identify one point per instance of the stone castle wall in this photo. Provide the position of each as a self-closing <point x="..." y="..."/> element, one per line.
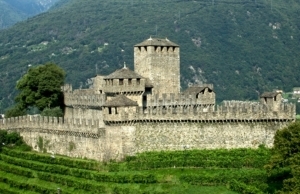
<point x="87" y="113"/>
<point x="187" y="135"/>
<point x="72" y="137"/>
<point x="82" y="138"/>
<point x="77" y="99"/>
<point x="234" y="125"/>
<point x="173" y="99"/>
<point x="231" y="112"/>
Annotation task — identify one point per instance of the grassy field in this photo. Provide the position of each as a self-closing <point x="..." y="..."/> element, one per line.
<point x="192" y="171"/>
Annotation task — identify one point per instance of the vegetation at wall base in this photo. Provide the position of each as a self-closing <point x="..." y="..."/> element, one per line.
<point x="284" y="164"/>
<point x="13" y="140"/>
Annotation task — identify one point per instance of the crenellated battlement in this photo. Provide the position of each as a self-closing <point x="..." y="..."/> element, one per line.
<point x="181" y="99"/>
<point x="163" y="50"/>
<point x="84" y="99"/>
<point x="53" y="124"/>
<point x="229" y="112"/>
<point x="124" y="85"/>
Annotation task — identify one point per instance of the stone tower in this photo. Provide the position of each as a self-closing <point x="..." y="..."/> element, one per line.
<point x="158" y="60"/>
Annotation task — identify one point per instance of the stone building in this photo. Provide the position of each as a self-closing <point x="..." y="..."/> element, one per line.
<point x="131" y="111"/>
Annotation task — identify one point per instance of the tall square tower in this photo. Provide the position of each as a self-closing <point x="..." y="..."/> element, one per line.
<point x="159" y="60"/>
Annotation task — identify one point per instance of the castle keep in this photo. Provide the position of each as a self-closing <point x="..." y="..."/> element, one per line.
<point x="131" y="111"/>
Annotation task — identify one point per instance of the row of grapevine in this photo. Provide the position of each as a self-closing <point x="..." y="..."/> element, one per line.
<point x="3" y="190"/>
<point x="75" y="183"/>
<point x="88" y="185"/>
<point x="15" y="170"/>
<point x="222" y="177"/>
<point x="71" y="182"/>
<point x="237" y="158"/>
<point x="241" y="187"/>
<point x="6" y="189"/>
<point x="73" y="163"/>
<point x="91" y="175"/>
<point x="27" y="186"/>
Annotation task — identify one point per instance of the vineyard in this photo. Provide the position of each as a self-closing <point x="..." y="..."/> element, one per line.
<point x="188" y="171"/>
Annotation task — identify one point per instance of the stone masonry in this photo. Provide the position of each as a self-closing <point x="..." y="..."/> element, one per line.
<point x="128" y="112"/>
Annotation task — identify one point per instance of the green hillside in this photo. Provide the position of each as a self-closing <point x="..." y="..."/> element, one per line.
<point x="190" y="172"/>
<point x="243" y="47"/>
<point x="9" y="15"/>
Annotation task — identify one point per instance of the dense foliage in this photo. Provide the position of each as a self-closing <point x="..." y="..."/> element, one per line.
<point x="243" y="47"/>
<point x="12" y="139"/>
<point x="40" y="87"/>
<point x="284" y="166"/>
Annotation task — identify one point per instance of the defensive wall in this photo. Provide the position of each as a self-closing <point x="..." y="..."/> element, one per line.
<point x="233" y="125"/>
<point x="174" y="99"/>
<point x="230" y="112"/>
<point x="86" y="100"/>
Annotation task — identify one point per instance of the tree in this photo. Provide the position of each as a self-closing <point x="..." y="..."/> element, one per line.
<point x="284" y="165"/>
<point x="41" y="87"/>
<point x="53" y="112"/>
<point x="15" y="112"/>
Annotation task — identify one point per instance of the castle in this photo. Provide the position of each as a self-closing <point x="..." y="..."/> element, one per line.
<point x="127" y="112"/>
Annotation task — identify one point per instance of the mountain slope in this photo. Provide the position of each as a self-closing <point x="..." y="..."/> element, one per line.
<point x="13" y="11"/>
<point x="243" y="47"/>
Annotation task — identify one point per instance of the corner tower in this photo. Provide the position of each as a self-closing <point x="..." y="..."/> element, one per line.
<point x="158" y="60"/>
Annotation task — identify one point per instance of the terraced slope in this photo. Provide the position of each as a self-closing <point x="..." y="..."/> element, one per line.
<point x="167" y="172"/>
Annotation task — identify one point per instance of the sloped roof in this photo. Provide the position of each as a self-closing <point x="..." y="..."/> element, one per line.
<point x="124" y="73"/>
<point x="157" y="42"/>
<point x="269" y="94"/>
<point x="195" y="89"/>
<point x="120" y="100"/>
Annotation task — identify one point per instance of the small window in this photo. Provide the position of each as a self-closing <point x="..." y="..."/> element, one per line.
<point x="109" y="111"/>
<point x="138" y="81"/>
<point x="121" y="81"/>
<point x="148" y="90"/>
<point x="129" y="81"/>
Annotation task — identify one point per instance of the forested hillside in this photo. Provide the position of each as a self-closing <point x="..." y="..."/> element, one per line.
<point x="243" y="47"/>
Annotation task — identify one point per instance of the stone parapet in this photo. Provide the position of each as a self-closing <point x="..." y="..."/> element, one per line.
<point x="51" y="123"/>
<point x="234" y="112"/>
<point x="84" y="100"/>
<point x="178" y="99"/>
<point x="117" y="86"/>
